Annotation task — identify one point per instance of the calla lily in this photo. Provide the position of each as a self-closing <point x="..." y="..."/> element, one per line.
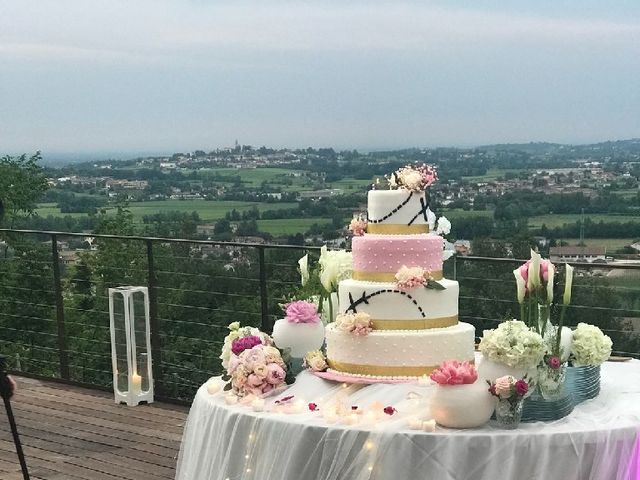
<point x="566" y="298"/>
<point x="551" y="273"/>
<point x="521" y="284"/>
<point x="431" y="219"/>
<point x="534" y="271"/>
<point x="303" y="263"/>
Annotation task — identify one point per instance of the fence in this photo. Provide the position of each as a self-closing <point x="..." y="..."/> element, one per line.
<point x="54" y="319"/>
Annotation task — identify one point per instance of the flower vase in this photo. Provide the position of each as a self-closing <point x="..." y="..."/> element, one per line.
<point x="298" y="338"/>
<point x="509" y="413"/>
<point x="583" y="382"/>
<point x="551" y="381"/>
<point x="462" y="406"/>
<point x="491" y="370"/>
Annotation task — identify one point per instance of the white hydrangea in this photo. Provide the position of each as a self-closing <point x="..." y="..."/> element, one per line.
<point x="514" y="344"/>
<point x="590" y="346"/>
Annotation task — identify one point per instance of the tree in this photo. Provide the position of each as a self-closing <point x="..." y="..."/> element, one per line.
<point x="22" y="184"/>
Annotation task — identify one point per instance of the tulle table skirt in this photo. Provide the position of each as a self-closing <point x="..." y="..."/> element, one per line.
<point x="598" y="440"/>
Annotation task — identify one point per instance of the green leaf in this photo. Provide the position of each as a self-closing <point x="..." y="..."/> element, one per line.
<point x="433" y="285"/>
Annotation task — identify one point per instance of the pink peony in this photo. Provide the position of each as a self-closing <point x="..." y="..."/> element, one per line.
<point x="267" y="388"/>
<point x="455" y="373"/>
<point x="234" y="363"/>
<point x="554" y="362"/>
<point x="254" y="380"/>
<point x="522" y="388"/>
<point x="504" y="386"/>
<point x="361" y="330"/>
<point x="275" y="375"/>
<point x="239" y="345"/>
<point x="302" y="312"/>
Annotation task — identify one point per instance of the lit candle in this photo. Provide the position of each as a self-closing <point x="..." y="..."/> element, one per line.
<point x="298" y="406"/>
<point x="429" y="425"/>
<point x="424" y="381"/>
<point x="369" y="417"/>
<point x="213" y="388"/>
<point x="136" y="383"/>
<point x="351" y="419"/>
<point x="415" y="424"/>
<point x="258" y="405"/>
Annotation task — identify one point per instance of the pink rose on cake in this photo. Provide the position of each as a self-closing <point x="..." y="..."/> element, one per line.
<point x="408" y="278"/>
<point x="358" y="225"/>
<point x="357" y="323"/>
<point x="302" y="312"/>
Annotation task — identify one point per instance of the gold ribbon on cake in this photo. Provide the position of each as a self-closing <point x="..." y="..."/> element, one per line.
<point x="417" y="324"/>
<point x="386" y="276"/>
<point x="382" y="370"/>
<point x="396" y="229"/>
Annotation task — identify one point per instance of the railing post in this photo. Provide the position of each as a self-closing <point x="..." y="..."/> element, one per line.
<point x="62" y="336"/>
<point x="455" y="266"/>
<point x="267" y="324"/>
<point x="156" y="348"/>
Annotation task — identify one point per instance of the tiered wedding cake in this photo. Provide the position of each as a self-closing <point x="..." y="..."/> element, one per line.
<point x="397" y="280"/>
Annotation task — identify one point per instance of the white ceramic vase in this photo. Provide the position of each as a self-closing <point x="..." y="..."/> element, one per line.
<point x="462" y="406"/>
<point x="299" y="337"/>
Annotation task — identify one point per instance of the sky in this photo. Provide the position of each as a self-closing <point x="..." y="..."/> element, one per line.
<point x="108" y="76"/>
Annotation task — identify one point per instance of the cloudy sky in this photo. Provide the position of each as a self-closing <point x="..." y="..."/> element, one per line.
<point x="162" y="75"/>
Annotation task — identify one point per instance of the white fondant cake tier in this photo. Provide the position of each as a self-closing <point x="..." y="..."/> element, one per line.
<point x="398" y="353"/>
<point x="382" y="301"/>
<point x="397" y="207"/>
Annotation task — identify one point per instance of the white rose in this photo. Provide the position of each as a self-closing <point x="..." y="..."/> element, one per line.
<point x="335" y="265"/>
<point x="346" y="322"/>
<point x="444" y="226"/>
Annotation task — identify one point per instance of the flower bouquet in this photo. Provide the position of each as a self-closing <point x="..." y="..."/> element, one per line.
<point x="254" y="365"/>
<point x="590" y="348"/>
<point x="460" y="401"/>
<point x="510" y="393"/>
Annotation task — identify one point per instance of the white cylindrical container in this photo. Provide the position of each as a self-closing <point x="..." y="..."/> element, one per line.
<point x="299" y="337"/>
<point x="462" y="406"/>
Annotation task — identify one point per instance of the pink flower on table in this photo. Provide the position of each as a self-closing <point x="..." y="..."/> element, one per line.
<point x="389" y="410"/>
<point x="504" y="386"/>
<point x="276" y="374"/>
<point x="302" y="312"/>
<point x="267" y="388"/>
<point x="455" y="373"/>
<point x="254" y="380"/>
<point x="522" y="388"/>
<point x="313" y="407"/>
<point x="239" y="345"/>
<point x="358" y="225"/>
<point x="234" y="363"/>
<point x="554" y="362"/>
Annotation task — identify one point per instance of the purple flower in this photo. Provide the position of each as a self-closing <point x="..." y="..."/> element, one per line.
<point x="302" y="312"/>
<point x="554" y="362"/>
<point x="239" y="345"/>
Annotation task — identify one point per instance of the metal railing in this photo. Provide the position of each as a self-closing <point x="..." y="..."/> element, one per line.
<point x="54" y="319"/>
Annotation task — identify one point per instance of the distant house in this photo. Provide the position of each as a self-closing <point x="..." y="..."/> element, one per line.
<point x="206" y="229"/>
<point x="578" y="254"/>
<point x="68" y="257"/>
<point x="636" y="246"/>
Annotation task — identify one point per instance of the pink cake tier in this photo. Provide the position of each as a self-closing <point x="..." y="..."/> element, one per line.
<point x="377" y="258"/>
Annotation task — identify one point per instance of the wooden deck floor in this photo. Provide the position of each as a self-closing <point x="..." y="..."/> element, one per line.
<point x="73" y="433"/>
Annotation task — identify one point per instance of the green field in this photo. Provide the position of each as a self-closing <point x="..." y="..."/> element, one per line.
<point x="207" y="210"/>
<point x="611" y="244"/>
<point x="454" y="213"/>
<point x="557" y="220"/>
<point x="493" y="174"/>
<point x="289" y="226"/>
<point x="352" y="185"/>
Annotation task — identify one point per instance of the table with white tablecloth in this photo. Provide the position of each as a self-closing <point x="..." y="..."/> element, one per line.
<point x="600" y="440"/>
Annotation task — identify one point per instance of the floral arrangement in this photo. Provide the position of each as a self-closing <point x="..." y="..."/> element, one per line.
<point x="455" y="373"/>
<point x="315" y="361"/>
<point x="301" y="311"/>
<point x="254" y="365"/>
<point x="415" y="178"/>
<point x="509" y="388"/>
<point x="358" y="225"/>
<point x="408" y="278"/>
<point x="237" y="332"/>
<point x="590" y="346"/>
<point x="356" y="323"/>
<point x="513" y="344"/>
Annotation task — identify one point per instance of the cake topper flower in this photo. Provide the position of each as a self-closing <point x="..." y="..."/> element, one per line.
<point x="415" y="178"/>
<point x="358" y="225"/>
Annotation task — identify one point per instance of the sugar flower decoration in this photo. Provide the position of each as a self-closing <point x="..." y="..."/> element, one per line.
<point x="315" y="361"/>
<point x="356" y="323"/>
<point x="358" y="225"/>
<point x="408" y="278"/>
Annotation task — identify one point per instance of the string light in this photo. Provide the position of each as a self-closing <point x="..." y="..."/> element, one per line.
<point x="369" y="445"/>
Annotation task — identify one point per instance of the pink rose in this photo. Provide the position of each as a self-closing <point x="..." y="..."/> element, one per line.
<point x="257" y="391"/>
<point x="239" y="345"/>
<point x="361" y="330"/>
<point x="504" y="386"/>
<point x="267" y="388"/>
<point x="252" y="357"/>
<point x="302" y="312"/>
<point x="254" y="380"/>
<point x="522" y="388"/>
<point x="234" y="363"/>
<point x="358" y="225"/>
<point x="275" y="374"/>
<point x="554" y="362"/>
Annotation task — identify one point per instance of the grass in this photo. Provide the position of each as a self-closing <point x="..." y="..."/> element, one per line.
<point x="207" y="211"/>
<point x="455" y="213"/>
<point x="289" y="226"/>
<point x="493" y="174"/>
<point x="352" y="185"/>
<point x="611" y="244"/>
<point x="558" y="220"/>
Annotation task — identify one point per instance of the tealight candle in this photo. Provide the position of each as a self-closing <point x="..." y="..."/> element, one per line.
<point x="136" y="383"/>
<point x="298" y="406"/>
<point x="230" y="399"/>
<point x="415" y="424"/>
<point x="213" y="388"/>
<point x="429" y="425"/>
<point x="258" y="405"/>
<point x="351" y="419"/>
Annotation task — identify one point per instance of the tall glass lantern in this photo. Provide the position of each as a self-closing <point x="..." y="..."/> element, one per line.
<point x="131" y="345"/>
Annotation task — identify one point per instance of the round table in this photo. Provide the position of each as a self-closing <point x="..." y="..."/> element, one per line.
<point x="600" y="440"/>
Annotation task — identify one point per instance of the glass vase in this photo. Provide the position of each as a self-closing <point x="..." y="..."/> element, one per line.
<point x="551" y="381"/>
<point x="509" y="413"/>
